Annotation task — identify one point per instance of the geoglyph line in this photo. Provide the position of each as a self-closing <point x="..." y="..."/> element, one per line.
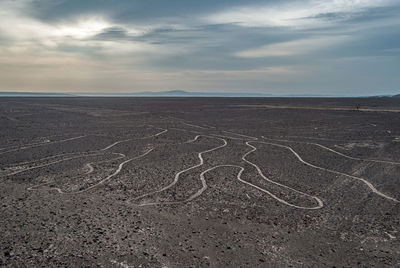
<point x="49" y="164"/>
<point x="204" y="183"/>
<point x="336" y="152"/>
<point x="248" y="140"/>
<point x="226" y="137"/>
<point x="116" y="172"/>
<point x="42" y="144"/>
<point x="188" y="124"/>
<point x="373" y="189"/>
<point x="91" y="169"/>
<point x="253" y="149"/>
<point x="192" y="125"/>
<point x="95" y="152"/>
<point x="319" y="202"/>
<point x="193" y="140"/>
<point x="241" y="135"/>
<point x="45" y="158"/>
<point x="28" y="144"/>
<point x="122" y="141"/>
<point x="89" y="165"/>
<point x="177" y="175"/>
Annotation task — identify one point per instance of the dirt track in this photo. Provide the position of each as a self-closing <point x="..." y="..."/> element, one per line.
<point x="199" y="182"/>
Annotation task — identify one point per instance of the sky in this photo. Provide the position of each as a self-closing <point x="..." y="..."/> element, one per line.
<point x="316" y="47"/>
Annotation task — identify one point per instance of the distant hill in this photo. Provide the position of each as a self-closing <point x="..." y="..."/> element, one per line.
<point x="171" y="93"/>
<point x="177" y="93"/>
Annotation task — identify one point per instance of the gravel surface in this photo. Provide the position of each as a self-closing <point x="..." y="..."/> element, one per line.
<point x="199" y="182"/>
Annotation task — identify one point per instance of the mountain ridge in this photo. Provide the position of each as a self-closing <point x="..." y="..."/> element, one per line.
<point x="179" y="93"/>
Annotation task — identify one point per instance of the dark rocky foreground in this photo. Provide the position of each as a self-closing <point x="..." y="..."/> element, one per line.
<point x="152" y="182"/>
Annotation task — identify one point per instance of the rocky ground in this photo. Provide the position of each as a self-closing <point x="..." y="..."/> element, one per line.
<point x="176" y="182"/>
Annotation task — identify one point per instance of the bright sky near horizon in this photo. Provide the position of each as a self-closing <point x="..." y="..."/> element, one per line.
<point x="326" y="47"/>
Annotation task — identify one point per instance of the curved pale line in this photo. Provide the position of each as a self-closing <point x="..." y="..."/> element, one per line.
<point x="86" y="173"/>
<point x="91" y="168"/>
<point x="312" y="138"/>
<point x="209" y="126"/>
<point x="108" y="177"/>
<point x="204" y="183"/>
<point x="45" y="158"/>
<point x="185" y="130"/>
<point x="373" y="189"/>
<point x="33" y="188"/>
<point x="193" y="140"/>
<point x="24" y="145"/>
<point x="241" y="135"/>
<point x="35" y="143"/>
<point x="192" y="125"/>
<point x="204" y="187"/>
<point x="198" y="193"/>
<point x="338" y="153"/>
<point x="177" y="175"/>
<point x="118" y="142"/>
<point x="48" y="164"/>
<point x="42" y="144"/>
<point x="103" y="149"/>
<point x="188" y="124"/>
<point x="228" y="137"/>
<point x="113" y="144"/>
<point x="195" y="195"/>
<point x="320" y="203"/>
<point x="100" y="150"/>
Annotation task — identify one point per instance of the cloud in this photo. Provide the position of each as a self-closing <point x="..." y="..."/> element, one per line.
<point x="296" y="47"/>
<point x="253" y="45"/>
<point x="298" y="14"/>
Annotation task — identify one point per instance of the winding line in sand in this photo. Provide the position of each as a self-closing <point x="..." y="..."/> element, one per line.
<point x="177" y="175"/>
<point x="91" y="168"/>
<point x="241" y="135"/>
<point x="48" y="164"/>
<point x="23" y="147"/>
<point x="336" y="152"/>
<point x="45" y="158"/>
<point x="373" y="189"/>
<point x="188" y="124"/>
<point x="33" y="188"/>
<point x="88" y="165"/>
<point x="93" y="151"/>
<point x="195" y="195"/>
<point x="239" y="177"/>
<point x="116" y="172"/>
<point x="193" y="140"/>
<point x="204" y="183"/>
<point x="122" y="141"/>
<point x="44" y="142"/>
<point x="227" y="137"/>
<point x="70" y="158"/>
<point x="319" y="202"/>
<point x="192" y="125"/>
<point x="27" y="144"/>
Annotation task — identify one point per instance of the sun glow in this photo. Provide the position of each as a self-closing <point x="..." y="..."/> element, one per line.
<point x="82" y="29"/>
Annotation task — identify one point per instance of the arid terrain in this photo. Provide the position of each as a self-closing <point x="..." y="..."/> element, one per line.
<point x="198" y="182"/>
